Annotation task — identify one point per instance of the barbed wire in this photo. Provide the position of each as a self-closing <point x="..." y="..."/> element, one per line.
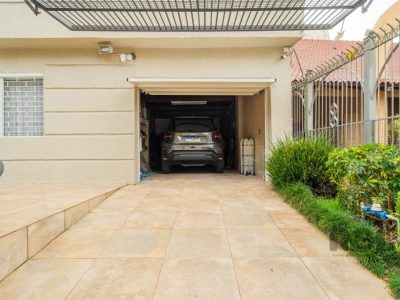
<point x="336" y="62"/>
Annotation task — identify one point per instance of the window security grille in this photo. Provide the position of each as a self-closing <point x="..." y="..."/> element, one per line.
<point x="23" y="106"/>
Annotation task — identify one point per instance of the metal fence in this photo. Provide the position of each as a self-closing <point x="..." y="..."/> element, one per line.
<point x="354" y="97"/>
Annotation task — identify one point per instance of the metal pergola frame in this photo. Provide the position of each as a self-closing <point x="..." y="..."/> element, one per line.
<point x="197" y="15"/>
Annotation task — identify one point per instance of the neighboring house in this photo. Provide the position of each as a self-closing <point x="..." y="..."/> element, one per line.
<point x="344" y="85"/>
<point x="69" y="114"/>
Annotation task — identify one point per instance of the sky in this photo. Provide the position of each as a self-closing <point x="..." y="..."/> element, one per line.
<point x="356" y="24"/>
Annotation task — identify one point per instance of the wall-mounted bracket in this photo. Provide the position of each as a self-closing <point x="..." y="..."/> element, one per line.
<point x="33" y="7"/>
<point x="366" y="5"/>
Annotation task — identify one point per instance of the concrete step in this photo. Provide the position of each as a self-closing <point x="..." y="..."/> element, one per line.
<point x="29" y="225"/>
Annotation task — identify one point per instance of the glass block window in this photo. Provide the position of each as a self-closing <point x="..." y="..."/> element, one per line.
<point x="23" y="106"/>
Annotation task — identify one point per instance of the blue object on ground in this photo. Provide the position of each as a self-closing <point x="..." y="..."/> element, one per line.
<point x="382" y="214"/>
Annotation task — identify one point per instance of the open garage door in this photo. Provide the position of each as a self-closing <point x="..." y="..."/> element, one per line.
<point x="201" y="86"/>
<point x="235" y="107"/>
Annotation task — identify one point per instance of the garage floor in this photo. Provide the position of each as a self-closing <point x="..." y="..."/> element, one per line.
<point x="193" y="236"/>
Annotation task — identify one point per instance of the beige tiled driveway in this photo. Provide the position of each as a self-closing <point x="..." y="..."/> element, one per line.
<point x="193" y="236"/>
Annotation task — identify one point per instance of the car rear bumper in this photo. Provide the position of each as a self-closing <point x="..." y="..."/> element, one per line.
<point x="194" y="157"/>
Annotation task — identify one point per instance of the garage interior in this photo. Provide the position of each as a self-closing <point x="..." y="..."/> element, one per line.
<point x="158" y="112"/>
<point x="238" y="112"/>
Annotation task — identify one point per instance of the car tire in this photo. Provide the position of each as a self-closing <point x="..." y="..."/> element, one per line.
<point x="220" y="167"/>
<point x="166" y="167"/>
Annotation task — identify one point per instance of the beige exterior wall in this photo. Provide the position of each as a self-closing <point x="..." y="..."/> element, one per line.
<point x="90" y="108"/>
<point x="253" y="126"/>
<point x="19" y="26"/>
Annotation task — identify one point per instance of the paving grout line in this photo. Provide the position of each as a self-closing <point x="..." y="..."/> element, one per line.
<point x="295" y="251"/>
<point x="94" y="259"/>
<point x="165" y="256"/>
<point x="230" y="250"/>
<point x="83" y="275"/>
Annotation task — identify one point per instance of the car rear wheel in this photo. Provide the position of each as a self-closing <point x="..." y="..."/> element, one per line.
<point x="165" y="167"/>
<point x="219" y="168"/>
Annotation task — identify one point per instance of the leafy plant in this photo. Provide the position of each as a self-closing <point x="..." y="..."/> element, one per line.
<point x="302" y="160"/>
<point x="368" y="173"/>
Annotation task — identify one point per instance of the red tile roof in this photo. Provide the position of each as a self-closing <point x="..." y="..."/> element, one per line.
<point x="308" y="54"/>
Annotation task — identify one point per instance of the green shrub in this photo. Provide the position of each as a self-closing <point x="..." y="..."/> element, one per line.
<point x="368" y="173"/>
<point x="302" y="161"/>
<point x="353" y="234"/>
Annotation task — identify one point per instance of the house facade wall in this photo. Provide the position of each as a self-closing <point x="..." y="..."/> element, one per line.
<point x="90" y="108"/>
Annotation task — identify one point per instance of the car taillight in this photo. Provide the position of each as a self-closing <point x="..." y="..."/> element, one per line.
<point x="168" y="137"/>
<point x="217" y="137"/>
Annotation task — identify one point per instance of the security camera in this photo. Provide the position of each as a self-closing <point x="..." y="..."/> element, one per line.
<point x="126" y="57"/>
<point x="285" y="53"/>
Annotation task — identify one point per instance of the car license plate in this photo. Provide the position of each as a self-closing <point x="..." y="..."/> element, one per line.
<point x="193" y="139"/>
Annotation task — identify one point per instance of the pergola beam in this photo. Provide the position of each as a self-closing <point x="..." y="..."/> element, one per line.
<point x="197" y="15"/>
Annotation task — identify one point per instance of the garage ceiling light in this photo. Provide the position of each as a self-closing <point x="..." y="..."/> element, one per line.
<point x="189" y="102"/>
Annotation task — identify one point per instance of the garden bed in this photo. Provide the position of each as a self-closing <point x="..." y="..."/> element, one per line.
<point x="301" y="171"/>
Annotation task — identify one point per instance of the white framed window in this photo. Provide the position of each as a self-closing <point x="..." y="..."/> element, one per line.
<point x="21" y="105"/>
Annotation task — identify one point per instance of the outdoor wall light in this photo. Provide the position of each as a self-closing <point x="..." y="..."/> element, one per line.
<point x="285" y="53"/>
<point x="105" y="48"/>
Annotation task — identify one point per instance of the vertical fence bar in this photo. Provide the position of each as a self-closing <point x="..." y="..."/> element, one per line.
<point x="308" y="104"/>
<point x="369" y="89"/>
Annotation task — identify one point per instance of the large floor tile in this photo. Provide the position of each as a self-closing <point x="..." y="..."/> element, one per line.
<point x="160" y="203"/>
<point x="194" y="203"/>
<point x="258" y="242"/>
<point x="248" y="219"/>
<point x="197" y="279"/>
<point x="103" y="220"/>
<point x="241" y="203"/>
<point x="344" y="278"/>
<point x="151" y="220"/>
<point x="276" y="204"/>
<point x="289" y="220"/>
<point x="118" y="205"/>
<point x="138" y="243"/>
<point x="198" y="220"/>
<point x="77" y="243"/>
<point x="276" y="278"/>
<point x="312" y="242"/>
<point x="44" y="279"/>
<point x="119" y="278"/>
<point x="200" y="190"/>
<point x="164" y="191"/>
<point x="198" y="243"/>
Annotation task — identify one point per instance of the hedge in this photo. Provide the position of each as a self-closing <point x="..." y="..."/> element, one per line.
<point x="355" y="235"/>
